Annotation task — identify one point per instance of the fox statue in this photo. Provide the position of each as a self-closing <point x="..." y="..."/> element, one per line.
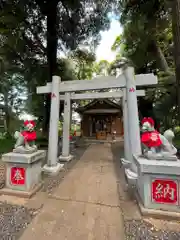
<point x="156" y="145"/>
<point x="25" y="140"/>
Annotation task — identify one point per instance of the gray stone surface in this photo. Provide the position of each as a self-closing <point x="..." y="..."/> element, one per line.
<point x="52" y="170"/>
<point x="86" y="203"/>
<point x="72" y="145"/>
<point x="149" y="171"/>
<point x="145" y="165"/>
<point x="23" y="158"/>
<point x="137" y="227"/>
<point x="24" y="150"/>
<point x="65" y="158"/>
<point x="16" y="213"/>
<point x="164" y="156"/>
<point x="52" y="181"/>
<point x="32" y="165"/>
<point x="14" y="219"/>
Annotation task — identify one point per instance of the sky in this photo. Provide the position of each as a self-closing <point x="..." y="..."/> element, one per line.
<point x="103" y="51"/>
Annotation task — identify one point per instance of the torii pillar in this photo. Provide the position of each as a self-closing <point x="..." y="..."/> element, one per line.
<point x="127" y="155"/>
<point x="52" y="166"/>
<point x="127" y="159"/>
<point x="66" y="156"/>
<point x="133" y="117"/>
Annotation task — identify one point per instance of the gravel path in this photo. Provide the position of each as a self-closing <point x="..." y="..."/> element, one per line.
<point x="141" y="230"/>
<point x="135" y="227"/>
<point x="13" y="220"/>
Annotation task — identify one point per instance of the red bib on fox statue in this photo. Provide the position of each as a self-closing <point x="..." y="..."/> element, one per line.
<point x="29" y="133"/>
<point x="150" y="137"/>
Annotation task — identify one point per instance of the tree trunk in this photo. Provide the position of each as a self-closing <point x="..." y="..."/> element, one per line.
<point x="7" y="115"/>
<point x="163" y="65"/>
<point x="51" y="53"/>
<point x="162" y="60"/>
<point x="176" y="37"/>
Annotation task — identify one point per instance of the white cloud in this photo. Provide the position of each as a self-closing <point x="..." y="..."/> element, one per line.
<point x="103" y="51"/>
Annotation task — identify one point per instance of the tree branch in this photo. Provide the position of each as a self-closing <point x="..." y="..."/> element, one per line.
<point x="35" y="36"/>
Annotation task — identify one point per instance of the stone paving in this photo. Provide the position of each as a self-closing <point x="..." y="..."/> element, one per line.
<point x="88" y="200"/>
<point x="16" y="213"/>
<point x="137" y="227"/>
<point x="86" y="203"/>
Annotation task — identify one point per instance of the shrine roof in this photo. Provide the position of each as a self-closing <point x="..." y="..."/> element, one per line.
<point x="105" y="103"/>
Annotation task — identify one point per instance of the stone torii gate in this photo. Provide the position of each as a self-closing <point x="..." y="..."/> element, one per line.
<point x="127" y="80"/>
<point x="88" y="96"/>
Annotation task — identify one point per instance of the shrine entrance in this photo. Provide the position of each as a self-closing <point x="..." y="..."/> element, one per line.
<point x="99" y="122"/>
<point x="101" y="115"/>
<point x="126" y="81"/>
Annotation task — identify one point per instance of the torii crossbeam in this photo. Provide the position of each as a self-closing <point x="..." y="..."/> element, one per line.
<point x="127" y="80"/>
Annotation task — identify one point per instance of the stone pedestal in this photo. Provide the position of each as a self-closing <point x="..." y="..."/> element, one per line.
<point x="52" y="170"/>
<point x="66" y="158"/>
<point x="158" y="186"/>
<point x="126" y="163"/>
<point x="23" y="173"/>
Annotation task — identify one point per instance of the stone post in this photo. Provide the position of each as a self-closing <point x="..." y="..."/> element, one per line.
<point x="66" y="129"/>
<point x="70" y="114"/>
<point x="127" y="154"/>
<point x="23" y="173"/>
<point x="90" y="127"/>
<point x="133" y="116"/>
<point x="52" y="166"/>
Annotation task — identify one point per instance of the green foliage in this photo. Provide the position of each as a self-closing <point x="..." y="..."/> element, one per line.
<point x="32" y="32"/>
<point x="147" y="34"/>
<point x="147" y="41"/>
<point x="37" y="75"/>
<point x="72" y="128"/>
<point x="6" y="145"/>
<point x="101" y="68"/>
<point x="11" y="84"/>
<point x="83" y="61"/>
<point x="177" y="136"/>
<point x="117" y="43"/>
<point x="23" y="26"/>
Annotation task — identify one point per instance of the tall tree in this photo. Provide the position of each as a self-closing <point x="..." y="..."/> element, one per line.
<point x="102" y="67"/>
<point x="176" y="35"/>
<point x="160" y="19"/>
<point x="11" y="83"/>
<point x="83" y="61"/>
<point x="147" y="41"/>
<point x="34" y="30"/>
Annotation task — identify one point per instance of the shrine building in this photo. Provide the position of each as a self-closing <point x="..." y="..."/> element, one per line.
<point x="101" y="117"/>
